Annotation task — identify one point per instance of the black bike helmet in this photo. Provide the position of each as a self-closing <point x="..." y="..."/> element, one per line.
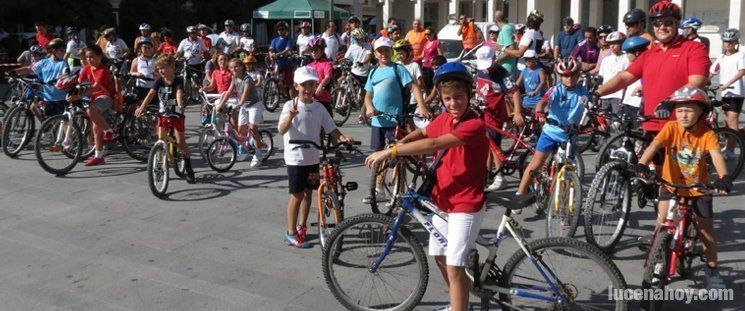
<point x="634" y="16"/>
<point x="606" y="29"/>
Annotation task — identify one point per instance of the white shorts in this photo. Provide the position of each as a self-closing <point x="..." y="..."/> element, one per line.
<point x="249" y="115"/>
<point x="461" y="231"/>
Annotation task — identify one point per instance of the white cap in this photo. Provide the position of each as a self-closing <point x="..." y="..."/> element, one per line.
<point x="530" y="54"/>
<point x="494" y="28"/>
<point x="305" y="74"/>
<point x="484" y="58"/>
<point x="382" y="41"/>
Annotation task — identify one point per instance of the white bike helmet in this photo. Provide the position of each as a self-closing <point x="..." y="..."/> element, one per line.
<point x="144" y="26"/>
<point x="615" y="37"/>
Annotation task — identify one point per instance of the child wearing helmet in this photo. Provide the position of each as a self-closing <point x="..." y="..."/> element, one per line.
<point x="47" y="70"/>
<point x="632" y="98"/>
<point x="686" y="142"/>
<point x="324" y="70"/>
<point x="192" y="48"/>
<point x="74" y="49"/>
<point x="145" y="32"/>
<point x="405" y="57"/>
<point x="143" y="66"/>
<point x="559" y="109"/>
<point x="459" y="138"/>
<point x="359" y="54"/>
<point x="246" y="43"/>
<point x="610" y="67"/>
<point x="731" y="69"/>
<point x="690" y="28"/>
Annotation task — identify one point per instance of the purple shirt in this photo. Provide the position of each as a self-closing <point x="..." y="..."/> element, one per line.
<point x="587" y="53"/>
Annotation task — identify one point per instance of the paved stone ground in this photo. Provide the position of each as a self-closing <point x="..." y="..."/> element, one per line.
<point x="97" y="239"/>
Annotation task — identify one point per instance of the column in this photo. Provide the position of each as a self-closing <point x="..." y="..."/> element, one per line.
<point x="623" y="7"/>
<point x="642" y="4"/>
<point x="419" y="10"/>
<point x="514" y="12"/>
<point x="530" y="6"/>
<point x="357" y="8"/>
<point x="387" y="10"/>
<point x="736" y="13"/>
<point x="596" y="13"/>
<point x="453" y="10"/>
<point x="478" y="11"/>
<point x="678" y="2"/>
<point x="575" y="11"/>
<point x="491" y="7"/>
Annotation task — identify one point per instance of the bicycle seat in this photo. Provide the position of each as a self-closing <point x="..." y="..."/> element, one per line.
<point x="513" y="201"/>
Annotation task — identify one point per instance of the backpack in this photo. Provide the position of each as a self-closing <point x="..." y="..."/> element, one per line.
<point x="405" y="96"/>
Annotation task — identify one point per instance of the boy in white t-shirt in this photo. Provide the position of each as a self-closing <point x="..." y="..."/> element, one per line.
<point x="611" y="65"/>
<point x="404" y="53"/>
<point x="632" y="97"/>
<point x="303" y="118"/>
<point x="731" y="69"/>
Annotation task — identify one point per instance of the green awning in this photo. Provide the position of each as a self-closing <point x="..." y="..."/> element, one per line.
<point x="298" y="9"/>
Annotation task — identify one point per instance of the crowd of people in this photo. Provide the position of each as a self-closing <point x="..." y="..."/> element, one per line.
<point x="518" y="71"/>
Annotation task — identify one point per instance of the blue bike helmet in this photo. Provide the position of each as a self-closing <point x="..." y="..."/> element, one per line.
<point x="453" y="70"/>
<point x="691" y="22"/>
<point x="634" y="44"/>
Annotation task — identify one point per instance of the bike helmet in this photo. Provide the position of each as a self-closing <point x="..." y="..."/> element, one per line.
<point x="691" y="95"/>
<point x="191" y="29"/>
<point x="229" y="22"/>
<point x="453" y="70"/>
<point x="566" y="66"/>
<point x="36" y="49"/>
<point x="71" y="31"/>
<point x="108" y="32"/>
<point x="144" y="41"/>
<point x="535" y="16"/>
<point x="353" y="19"/>
<point x="281" y="24"/>
<point x="567" y="21"/>
<point x="615" y="37"/>
<point x="56" y="43"/>
<point x="245" y="27"/>
<point x="66" y="82"/>
<point x="203" y="27"/>
<point x="635" y="44"/>
<point x="606" y="29"/>
<point x="519" y="27"/>
<point x="731" y="34"/>
<point x="358" y="34"/>
<point x="392" y="28"/>
<point x="634" y="17"/>
<point x="691" y="22"/>
<point x="317" y="43"/>
<point x="249" y="59"/>
<point x="402" y="44"/>
<point x="144" y="26"/>
<point x="665" y="8"/>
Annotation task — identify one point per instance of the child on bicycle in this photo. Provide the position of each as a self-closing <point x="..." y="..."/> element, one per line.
<point x="731" y="69"/>
<point x="253" y="72"/>
<point x="170" y="91"/>
<point x="565" y="107"/>
<point x="494" y="85"/>
<point x="533" y="79"/>
<point x="303" y="118"/>
<point x="459" y="187"/>
<point x="686" y="143"/>
<point x="324" y="69"/>
<point x="243" y="97"/>
<point x="143" y="66"/>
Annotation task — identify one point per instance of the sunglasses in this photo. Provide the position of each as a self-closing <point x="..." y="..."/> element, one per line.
<point x="602" y="37"/>
<point x="659" y="23"/>
<point x="631" y="25"/>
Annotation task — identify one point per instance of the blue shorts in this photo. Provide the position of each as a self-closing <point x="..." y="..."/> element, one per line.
<point x="547" y="144"/>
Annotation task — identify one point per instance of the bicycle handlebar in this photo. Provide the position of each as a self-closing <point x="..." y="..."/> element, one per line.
<point x="308" y="144"/>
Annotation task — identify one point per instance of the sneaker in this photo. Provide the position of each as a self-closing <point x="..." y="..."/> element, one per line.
<point x="360" y="119"/>
<point x="645" y="242"/>
<point x="93" y="161"/>
<point x="497" y="184"/>
<point x="53" y="148"/>
<point x="445" y="308"/>
<point x="255" y="162"/>
<point x="728" y="155"/>
<point x="713" y="279"/>
<point x="109" y="136"/>
<point x="292" y="240"/>
<point x="379" y="197"/>
<point x="302" y="232"/>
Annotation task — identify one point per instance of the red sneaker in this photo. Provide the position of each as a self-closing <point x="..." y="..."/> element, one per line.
<point x="109" y="136"/>
<point x="53" y="148"/>
<point x="301" y="232"/>
<point x="95" y="161"/>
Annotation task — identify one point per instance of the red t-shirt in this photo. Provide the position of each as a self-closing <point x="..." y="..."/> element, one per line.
<point x="207" y="42"/>
<point x="100" y="77"/>
<point x="663" y="72"/>
<point x="460" y="176"/>
<point x="167" y="48"/>
<point x="493" y="86"/>
<point x="44" y="39"/>
<point x="223" y="79"/>
<point x="324" y="68"/>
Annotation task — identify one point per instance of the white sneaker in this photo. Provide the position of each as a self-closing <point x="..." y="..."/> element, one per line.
<point x="728" y="155"/>
<point x="497" y="184"/>
<point x="379" y="197"/>
<point x="255" y="162"/>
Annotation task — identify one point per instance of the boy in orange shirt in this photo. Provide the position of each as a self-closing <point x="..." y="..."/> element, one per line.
<point x="686" y="144"/>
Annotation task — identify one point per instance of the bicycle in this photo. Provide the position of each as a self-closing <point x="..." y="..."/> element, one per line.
<point x="273" y="88"/>
<point x="730" y="140"/>
<point x="20" y="121"/>
<point x="209" y="131"/>
<point x="347" y="95"/>
<point x="381" y="264"/>
<point x="331" y="190"/>
<point x="674" y="244"/>
<point x="221" y="153"/>
<point x="192" y="79"/>
<point x="163" y="154"/>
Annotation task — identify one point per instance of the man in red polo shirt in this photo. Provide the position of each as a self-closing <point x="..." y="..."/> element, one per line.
<point x="673" y="63"/>
<point x="43" y="36"/>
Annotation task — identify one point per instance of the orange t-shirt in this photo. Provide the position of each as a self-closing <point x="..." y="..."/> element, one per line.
<point x="470" y="36"/>
<point x="686" y="153"/>
<point x="416" y="38"/>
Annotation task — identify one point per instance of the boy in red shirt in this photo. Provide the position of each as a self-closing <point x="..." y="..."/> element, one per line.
<point x="459" y="190"/>
<point x="324" y="69"/>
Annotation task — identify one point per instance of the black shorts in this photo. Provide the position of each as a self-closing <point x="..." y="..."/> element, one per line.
<point x="702" y="206"/>
<point x="303" y="177"/>
<point x="379" y="137"/>
<point x="54" y="108"/>
<point x="733" y="104"/>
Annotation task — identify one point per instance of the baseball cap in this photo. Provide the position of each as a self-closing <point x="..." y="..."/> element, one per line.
<point x="484" y="58"/>
<point x="304" y="74"/>
<point x="530" y="54"/>
<point x="382" y="41"/>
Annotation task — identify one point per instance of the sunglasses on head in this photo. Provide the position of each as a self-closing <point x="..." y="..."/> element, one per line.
<point x="659" y="22"/>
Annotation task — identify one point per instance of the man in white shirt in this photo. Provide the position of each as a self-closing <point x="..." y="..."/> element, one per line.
<point x="246" y="42"/>
<point x="611" y="65"/>
<point x="303" y="39"/>
<point x="532" y="39"/>
<point x="228" y="39"/>
<point x="115" y="46"/>
<point x="192" y="48"/>
<point x="333" y="41"/>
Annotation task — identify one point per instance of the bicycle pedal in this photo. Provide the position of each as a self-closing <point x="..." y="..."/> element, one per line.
<point x="314" y="224"/>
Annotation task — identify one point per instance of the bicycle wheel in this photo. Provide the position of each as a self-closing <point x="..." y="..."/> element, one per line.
<point x="179" y="168"/>
<point x="586" y="275"/>
<point x="3" y="112"/>
<point x="58" y="145"/>
<point x="271" y="95"/>
<point x="399" y="282"/>
<point x="18" y="131"/>
<point x="607" y="206"/>
<point x="157" y="169"/>
<point x="656" y="271"/>
<point x="332" y="215"/>
<point x="221" y="155"/>
<point x="342" y="106"/>
<point x="394" y="180"/>
<point x="267" y="140"/>
<point x="138" y="136"/>
<point x="84" y="124"/>
<point x="732" y="146"/>
<point x="564" y="205"/>
<point x="207" y="135"/>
